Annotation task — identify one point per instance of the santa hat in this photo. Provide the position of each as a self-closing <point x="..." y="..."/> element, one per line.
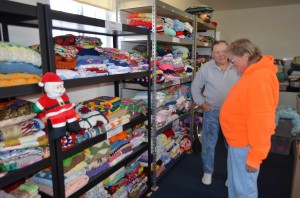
<point x="50" y="77"/>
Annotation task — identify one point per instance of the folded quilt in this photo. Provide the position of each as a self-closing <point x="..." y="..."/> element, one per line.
<point x="15" y="108"/>
<point x="117" y="114"/>
<point x="90" y="133"/>
<point x="117" y="122"/>
<point x="99" y="151"/>
<point x="70" y="162"/>
<point x="73" y="186"/>
<point x="75" y="170"/>
<point x="70" y="187"/>
<point x="115" y="177"/>
<point x="42" y="141"/>
<point x="21" y="140"/>
<point x="20" y="159"/>
<point x="16" y="53"/>
<point x="22" y="129"/>
<point x="97" y="191"/>
<point x="97" y="170"/>
<point x="45" y="177"/>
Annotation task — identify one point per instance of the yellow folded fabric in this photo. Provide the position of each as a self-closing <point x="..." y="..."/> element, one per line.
<point x="16" y="79"/>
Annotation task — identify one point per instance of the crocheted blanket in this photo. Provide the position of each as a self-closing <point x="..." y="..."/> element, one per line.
<point x="16" y="53"/>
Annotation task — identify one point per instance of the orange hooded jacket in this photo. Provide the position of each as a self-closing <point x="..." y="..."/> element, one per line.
<point x="247" y="116"/>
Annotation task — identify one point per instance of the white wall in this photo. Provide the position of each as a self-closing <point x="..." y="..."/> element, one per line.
<point x="275" y="30"/>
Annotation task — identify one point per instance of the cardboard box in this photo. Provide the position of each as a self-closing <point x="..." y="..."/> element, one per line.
<point x="281" y="145"/>
<point x="295" y="191"/>
<point x="284" y="128"/>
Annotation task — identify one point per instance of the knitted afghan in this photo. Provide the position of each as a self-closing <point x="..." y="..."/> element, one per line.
<point x="89" y="118"/>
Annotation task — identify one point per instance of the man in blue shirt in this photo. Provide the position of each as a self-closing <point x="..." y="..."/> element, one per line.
<point x="209" y="90"/>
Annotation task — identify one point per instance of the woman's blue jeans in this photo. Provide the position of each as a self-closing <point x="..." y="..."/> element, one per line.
<point x="241" y="184"/>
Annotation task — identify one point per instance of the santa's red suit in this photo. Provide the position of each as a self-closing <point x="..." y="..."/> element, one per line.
<point x="58" y="110"/>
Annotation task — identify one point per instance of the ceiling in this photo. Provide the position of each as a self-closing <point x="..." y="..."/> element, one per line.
<point x="218" y="5"/>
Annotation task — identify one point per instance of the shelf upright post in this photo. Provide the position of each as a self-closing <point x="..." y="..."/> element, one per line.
<point x="116" y="83"/>
<point x="194" y="57"/>
<point x="149" y="113"/>
<point x="153" y="95"/>
<point x="5" y="32"/>
<point x="56" y="158"/>
<point x="43" y="36"/>
<point x="56" y="163"/>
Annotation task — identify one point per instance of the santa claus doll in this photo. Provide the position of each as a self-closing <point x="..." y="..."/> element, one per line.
<point x="56" y="106"/>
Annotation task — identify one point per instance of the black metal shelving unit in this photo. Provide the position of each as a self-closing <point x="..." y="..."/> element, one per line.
<point x="82" y="24"/>
<point x="160" y="8"/>
<point x="22" y="15"/>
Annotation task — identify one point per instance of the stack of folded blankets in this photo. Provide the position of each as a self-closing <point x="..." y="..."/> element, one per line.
<point x="22" y="139"/>
<point x="164" y="25"/>
<point x="173" y="63"/>
<point x="102" y="114"/>
<point x="19" y="65"/>
<point x="82" y="56"/>
<point x="97" y="191"/>
<point x="170" y="144"/>
<point x="74" y="176"/>
<point x="97" y="158"/>
<point x="177" y="102"/>
<point x="128" y="181"/>
<point x="24" y="190"/>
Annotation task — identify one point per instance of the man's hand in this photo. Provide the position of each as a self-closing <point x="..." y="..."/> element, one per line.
<point x="206" y="107"/>
<point x="250" y="169"/>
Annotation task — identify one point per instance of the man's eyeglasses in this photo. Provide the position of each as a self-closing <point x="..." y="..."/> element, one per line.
<point x="231" y="61"/>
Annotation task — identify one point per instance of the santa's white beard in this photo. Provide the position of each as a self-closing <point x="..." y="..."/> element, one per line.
<point x="55" y="93"/>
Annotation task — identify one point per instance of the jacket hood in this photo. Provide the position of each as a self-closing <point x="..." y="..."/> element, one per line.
<point x="266" y="62"/>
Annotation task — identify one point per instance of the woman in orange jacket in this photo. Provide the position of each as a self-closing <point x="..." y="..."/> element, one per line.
<point x="247" y="116"/>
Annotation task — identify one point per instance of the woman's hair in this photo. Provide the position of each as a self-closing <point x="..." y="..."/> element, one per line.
<point x="216" y="43"/>
<point x="245" y="46"/>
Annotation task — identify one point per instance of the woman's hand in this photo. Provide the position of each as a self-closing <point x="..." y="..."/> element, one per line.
<point x="250" y="169"/>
